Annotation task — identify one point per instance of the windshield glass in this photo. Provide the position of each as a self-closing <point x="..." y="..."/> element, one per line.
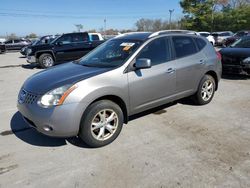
<point x="242" y="43"/>
<point x="204" y="34"/>
<point x="55" y="39"/>
<point x="112" y="53"/>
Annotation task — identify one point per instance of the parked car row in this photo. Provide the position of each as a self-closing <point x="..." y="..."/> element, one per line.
<point x="236" y="58"/>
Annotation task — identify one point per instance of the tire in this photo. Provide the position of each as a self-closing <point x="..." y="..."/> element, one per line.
<point x="206" y="90"/>
<point x="46" y="60"/>
<point x="96" y="128"/>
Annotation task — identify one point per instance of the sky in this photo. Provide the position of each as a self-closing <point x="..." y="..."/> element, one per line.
<point x="43" y="17"/>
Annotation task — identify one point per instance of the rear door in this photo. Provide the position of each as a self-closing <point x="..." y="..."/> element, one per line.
<point x="190" y="64"/>
<point x="81" y="45"/>
<point x="153" y="86"/>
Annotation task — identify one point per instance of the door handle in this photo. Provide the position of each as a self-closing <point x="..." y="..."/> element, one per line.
<point x="170" y="71"/>
<point x="202" y="61"/>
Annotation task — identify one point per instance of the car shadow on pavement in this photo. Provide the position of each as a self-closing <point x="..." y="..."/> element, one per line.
<point x="156" y="111"/>
<point x="29" y="135"/>
<point x="31" y="66"/>
<point x="235" y="77"/>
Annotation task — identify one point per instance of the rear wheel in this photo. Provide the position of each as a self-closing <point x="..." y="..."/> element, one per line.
<point x="205" y="91"/>
<point x="101" y="123"/>
<point x="46" y="60"/>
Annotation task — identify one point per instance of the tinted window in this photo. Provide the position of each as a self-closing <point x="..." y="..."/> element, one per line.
<point x="79" y="37"/>
<point x="95" y="37"/>
<point x="16" y="41"/>
<point x="200" y="43"/>
<point x="65" y="39"/>
<point x="184" y="46"/>
<point x="112" y="53"/>
<point x="204" y="34"/>
<point x="224" y="34"/>
<point x="242" y="43"/>
<point x="8" y="42"/>
<point x="158" y="51"/>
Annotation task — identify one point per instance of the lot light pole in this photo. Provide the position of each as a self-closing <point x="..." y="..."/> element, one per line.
<point x="170" y="18"/>
<point x="105" y="25"/>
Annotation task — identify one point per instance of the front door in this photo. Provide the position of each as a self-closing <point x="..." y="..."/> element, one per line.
<point x="154" y="86"/>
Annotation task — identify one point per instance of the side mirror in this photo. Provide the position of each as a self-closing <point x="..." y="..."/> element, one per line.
<point x="142" y="63"/>
<point x="59" y="43"/>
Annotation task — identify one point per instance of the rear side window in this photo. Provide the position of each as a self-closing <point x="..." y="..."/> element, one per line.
<point x="158" y="51"/>
<point x="79" y="37"/>
<point x="183" y="46"/>
<point x="94" y="37"/>
<point x="200" y="43"/>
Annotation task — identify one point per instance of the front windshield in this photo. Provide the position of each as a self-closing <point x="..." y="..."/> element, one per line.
<point x="35" y="42"/>
<point x="242" y="43"/>
<point x="112" y="53"/>
<point x="55" y="39"/>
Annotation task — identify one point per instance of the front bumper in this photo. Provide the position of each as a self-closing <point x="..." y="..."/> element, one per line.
<point x="31" y="59"/>
<point x="59" y="121"/>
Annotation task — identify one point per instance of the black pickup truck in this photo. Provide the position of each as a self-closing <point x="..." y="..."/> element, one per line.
<point x="67" y="47"/>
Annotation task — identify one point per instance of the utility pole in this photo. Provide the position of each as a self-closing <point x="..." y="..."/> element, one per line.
<point x="170" y="18"/>
<point x="105" y="25"/>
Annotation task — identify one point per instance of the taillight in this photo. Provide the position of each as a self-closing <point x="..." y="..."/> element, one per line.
<point x="218" y="55"/>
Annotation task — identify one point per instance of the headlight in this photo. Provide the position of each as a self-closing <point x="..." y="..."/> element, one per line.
<point x="56" y="96"/>
<point x="247" y="60"/>
<point x="29" y="51"/>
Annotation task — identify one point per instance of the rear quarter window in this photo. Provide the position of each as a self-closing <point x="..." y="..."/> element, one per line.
<point x="200" y="43"/>
<point x="183" y="46"/>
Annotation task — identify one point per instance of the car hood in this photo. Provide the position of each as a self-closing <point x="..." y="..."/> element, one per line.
<point x="241" y="52"/>
<point x="41" y="46"/>
<point x="68" y="73"/>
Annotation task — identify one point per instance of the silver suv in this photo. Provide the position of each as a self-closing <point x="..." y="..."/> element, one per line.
<point x="94" y="96"/>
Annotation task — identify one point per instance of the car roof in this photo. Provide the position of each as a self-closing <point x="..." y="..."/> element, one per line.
<point x="143" y="36"/>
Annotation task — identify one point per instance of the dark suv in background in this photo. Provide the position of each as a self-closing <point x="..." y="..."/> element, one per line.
<point x="67" y="47"/>
<point x="236" y="36"/>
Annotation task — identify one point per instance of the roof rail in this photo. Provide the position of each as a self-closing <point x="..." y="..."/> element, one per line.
<point x="173" y="31"/>
<point x="129" y="33"/>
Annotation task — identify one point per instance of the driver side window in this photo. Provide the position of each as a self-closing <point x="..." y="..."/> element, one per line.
<point x="158" y="51"/>
<point x="66" y="39"/>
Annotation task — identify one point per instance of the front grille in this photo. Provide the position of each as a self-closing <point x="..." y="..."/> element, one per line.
<point x="30" y="98"/>
<point x="26" y="97"/>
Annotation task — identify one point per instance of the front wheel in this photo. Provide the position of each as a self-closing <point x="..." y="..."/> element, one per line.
<point x="101" y="123"/>
<point x="46" y="60"/>
<point x="205" y="91"/>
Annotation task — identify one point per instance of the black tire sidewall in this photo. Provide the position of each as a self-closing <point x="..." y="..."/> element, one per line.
<point x="198" y="98"/>
<point x="41" y="60"/>
<point x="91" y="111"/>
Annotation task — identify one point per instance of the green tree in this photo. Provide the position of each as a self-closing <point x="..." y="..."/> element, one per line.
<point x="198" y="14"/>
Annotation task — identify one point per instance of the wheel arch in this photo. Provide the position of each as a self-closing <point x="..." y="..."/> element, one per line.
<point x="119" y="101"/>
<point x="214" y="75"/>
<point x="39" y="53"/>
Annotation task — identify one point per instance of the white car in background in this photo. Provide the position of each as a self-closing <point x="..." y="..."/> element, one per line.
<point x="209" y="37"/>
<point x="96" y="37"/>
<point x="221" y="36"/>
